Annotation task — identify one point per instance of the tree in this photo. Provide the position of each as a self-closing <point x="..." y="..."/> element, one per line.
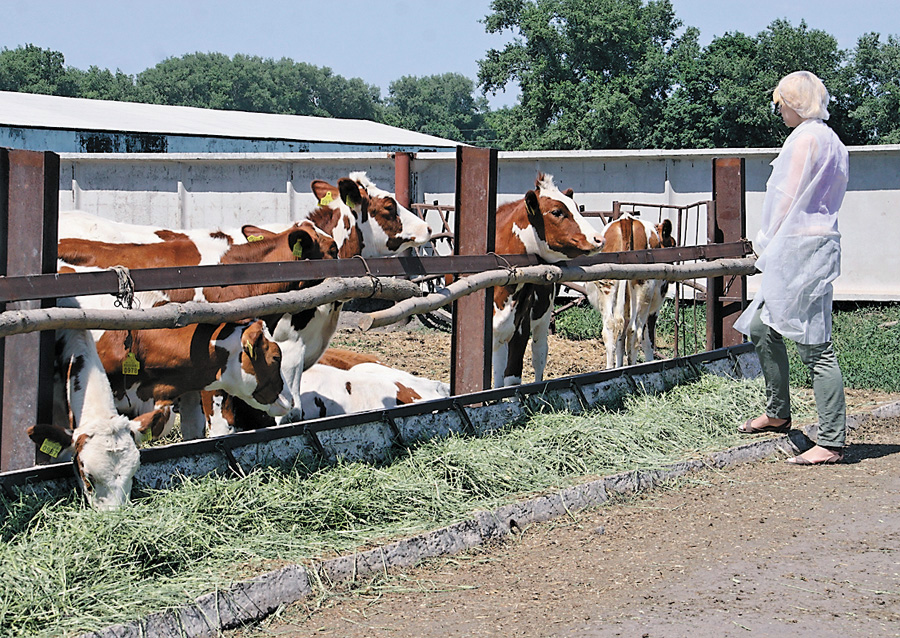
<point x="102" y="84"/>
<point x="30" y="69"/>
<point x="723" y="92"/>
<point x="592" y="73"/>
<point x="251" y="83"/>
<point x="442" y="105"/>
<point x="874" y="88"/>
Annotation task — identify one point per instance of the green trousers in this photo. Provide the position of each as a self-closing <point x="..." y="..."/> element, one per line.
<point x="828" y="384"/>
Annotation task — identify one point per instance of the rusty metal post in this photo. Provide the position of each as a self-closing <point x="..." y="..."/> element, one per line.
<point x="402" y="178"/>
<point x="726" y="222"/>
<point x="29" y="213"/>
<point x="474" y="226"/>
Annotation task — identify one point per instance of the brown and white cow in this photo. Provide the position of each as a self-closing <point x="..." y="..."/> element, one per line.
<point x="343" y="382"/>
<point x="361" y="218"/>
<point x="102" y="444"/>
<point x="171" y="364"/>
<point x="545" y="223"/>
<point x="300" y="241"/>
<point x="629" y="307"/>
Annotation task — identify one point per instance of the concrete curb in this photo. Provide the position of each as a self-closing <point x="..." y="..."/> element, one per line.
<point x="254" y="599"/>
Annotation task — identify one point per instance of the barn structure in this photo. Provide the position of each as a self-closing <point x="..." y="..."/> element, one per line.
<point x="75" y="125"/>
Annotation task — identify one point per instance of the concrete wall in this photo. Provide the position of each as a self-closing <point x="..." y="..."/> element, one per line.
<point x="206" y="190"/>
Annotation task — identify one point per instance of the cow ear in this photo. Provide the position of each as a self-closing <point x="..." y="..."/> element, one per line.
<point x="325" y="193"/>
<point x="255" y="233"/>
<point x="532" y="206"/>
<point x="252" y="339"/>
<point x="569" y="193"/>
<point x="302" y="244"/>
<point x="349" y="192"/>
<point x="665" y="233"/>
<point x="151" y="425"/>
<point x="52" y="440"/>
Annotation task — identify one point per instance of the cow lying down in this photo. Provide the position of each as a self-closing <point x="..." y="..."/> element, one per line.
<point x="342" y="382"/>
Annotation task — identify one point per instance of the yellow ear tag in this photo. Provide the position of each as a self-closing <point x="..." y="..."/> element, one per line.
<point x="131" y="365"/>
<point x="326" y="199"/>
<point x="253" y="238"/>
<point x="147" y="435"/>
<point x="249" y="348"/>
<point x="51" y="448"/>
<point x="298" y="250"/>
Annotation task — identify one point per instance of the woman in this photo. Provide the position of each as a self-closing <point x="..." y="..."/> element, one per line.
<point x="799" y="256"/>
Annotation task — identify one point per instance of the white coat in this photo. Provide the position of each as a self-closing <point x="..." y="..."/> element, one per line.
<point x="798" y="244"/>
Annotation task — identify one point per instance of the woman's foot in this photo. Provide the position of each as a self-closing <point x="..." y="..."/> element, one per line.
<point x="818" y="455"/>
<point x="765" y="423"/>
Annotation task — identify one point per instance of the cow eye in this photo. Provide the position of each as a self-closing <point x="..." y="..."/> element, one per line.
<point x="557" y="212"/>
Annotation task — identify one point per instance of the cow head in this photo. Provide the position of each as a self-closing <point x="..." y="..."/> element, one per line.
<point x="104" y="453"/>
<point x="559" y="231"/>
<point x="303" y="240"/>
<point x="261" y="372"/>
<point x="386" y="227"/>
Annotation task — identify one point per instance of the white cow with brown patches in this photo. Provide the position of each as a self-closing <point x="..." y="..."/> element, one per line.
<point x="545" y="223"/>
<point x="629" y="307"/>
<point x="344" y="382"/>
<point x="102" y="444"/>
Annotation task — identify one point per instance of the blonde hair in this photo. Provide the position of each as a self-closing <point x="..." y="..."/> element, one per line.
<point x="805" y="93"/>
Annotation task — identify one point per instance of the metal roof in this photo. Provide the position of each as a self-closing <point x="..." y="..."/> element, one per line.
<point x="28" y="110"/>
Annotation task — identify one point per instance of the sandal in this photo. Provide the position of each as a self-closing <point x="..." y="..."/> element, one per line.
<point x="838" y="457"/>
<point x="746" y="428"/>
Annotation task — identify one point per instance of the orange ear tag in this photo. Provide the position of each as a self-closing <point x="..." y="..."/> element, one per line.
<point x="253" y="238"/>
<point x="50" y="448"/>
<point x="298" y="250"/>
<point x="326" y="199"/>
<point x="131" y="365"/>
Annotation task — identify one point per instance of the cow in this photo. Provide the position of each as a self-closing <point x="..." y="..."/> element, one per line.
<point x="362" y="219"/>
<point x="165" y="365"/>
<point x="301" y="240"/>
<point x="546" y="223"/>
<point x="343" y="382"/>
<point x="629" y="307"/>
<point x="102" y="444"/>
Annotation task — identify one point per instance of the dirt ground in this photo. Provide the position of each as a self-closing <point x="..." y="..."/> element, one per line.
<point x="762" y="549"/>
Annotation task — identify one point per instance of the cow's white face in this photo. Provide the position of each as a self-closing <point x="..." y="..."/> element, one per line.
<point x="387" y="227"/>
<point x="105" y="460"/>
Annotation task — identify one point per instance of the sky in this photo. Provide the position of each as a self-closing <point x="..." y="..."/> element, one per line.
<point x="376" y="40"/>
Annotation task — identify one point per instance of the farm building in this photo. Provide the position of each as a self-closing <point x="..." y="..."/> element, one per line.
<point x="75" y="125"/>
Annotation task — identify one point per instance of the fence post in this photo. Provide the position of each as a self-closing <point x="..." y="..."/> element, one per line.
<point x="402" y="178"/>
<point x="474" y="227"/>
<point x="29" y="214"/>
<point x="726" y="222"/>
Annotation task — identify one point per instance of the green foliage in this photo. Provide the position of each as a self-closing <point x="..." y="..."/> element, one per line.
<point x="30" y="69"/>
<point x="865" y="340"/>
<point x="251" y="83"/>
<point x="442" y="105"/>
<point x="592" y="73"/>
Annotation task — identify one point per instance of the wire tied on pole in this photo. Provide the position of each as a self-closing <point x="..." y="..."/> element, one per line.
<point x="504" y="263"/>
<point x="376" y="282"/>
<point x="125" y="296"/>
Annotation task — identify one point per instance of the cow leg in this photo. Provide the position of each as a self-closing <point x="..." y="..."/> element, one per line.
<point x="293" y="353"/>
<point x="193" y="421"/>
<point x="504" y="328"/>
<point x="219" y="412"/>
<point x="515" y="356"/>
<point x="649" y="339"/>
<point x="541" y="316"/>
